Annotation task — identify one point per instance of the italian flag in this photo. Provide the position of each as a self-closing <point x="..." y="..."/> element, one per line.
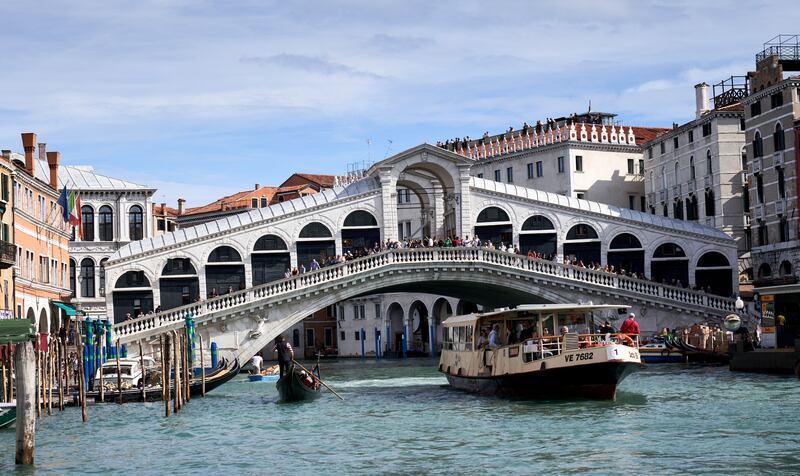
<point x="74" y="202"/>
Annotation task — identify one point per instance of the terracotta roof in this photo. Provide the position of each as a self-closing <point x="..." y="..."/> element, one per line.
<point x="325" y="181"/>
<point x="294" y="188"/>
<point x="646" y="134"/>
<point x="157" y="210"/>
<point x="235" y="201"/>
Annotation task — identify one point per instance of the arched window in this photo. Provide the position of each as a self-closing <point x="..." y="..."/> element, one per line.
<point x="537" y="223"/>
<point x="133" y="279"/>
<point x="709" y="168"/>
<point x="136" y="223"/>
<point x="360" y="218"/>
<point x="106" y="223"/>
<point x="692" y="174"/>
<point x="103" y="276"/>
<point x="492" y="214"/>
<point x="786" y="268"/>
<point x="270" y="243"/>
<point x="663" y="177"/>
<point x="72" y="267"/>
<point x="712" y="259"/>
<point x="581" y="232"/>
<point x="669" y="250"/>
<point x="625" y="241"/>
<point x="764" y="271"/>
<point x="178" y="267"/>
<point x="315" y="230"/>
<point x="87" y="278"/>
<point x="677" y="174"/>
<point x="652" y="184"/>
<point x="87" y="222"/>
<point x="778" y="138"/>
<point x="710" y="205"/>
<point x="758" y="145"/>
<point x="224" y="254"/>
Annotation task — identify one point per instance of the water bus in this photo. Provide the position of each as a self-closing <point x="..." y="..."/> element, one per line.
<point x="542" y="351"/>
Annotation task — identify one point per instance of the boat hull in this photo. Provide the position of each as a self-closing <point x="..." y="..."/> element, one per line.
<point x="594" y="381"/>
<point x="8" y="414"/>
<point x="291" y="389"/>
<point x="263" y="378"/>
<point x="661" y="357"/>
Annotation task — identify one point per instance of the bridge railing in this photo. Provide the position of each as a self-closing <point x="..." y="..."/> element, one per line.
<point x="425" y="255"/>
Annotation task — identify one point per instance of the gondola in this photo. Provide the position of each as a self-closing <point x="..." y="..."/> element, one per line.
<point x="222" y="374"/>
<point x="8" y="413"/>
<point x="298" y="385"/>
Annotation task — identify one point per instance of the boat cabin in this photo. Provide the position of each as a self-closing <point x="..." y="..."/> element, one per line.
<point x="130" y="370"/>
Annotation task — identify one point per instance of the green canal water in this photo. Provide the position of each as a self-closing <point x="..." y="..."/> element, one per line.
<point x="401" y="418"/>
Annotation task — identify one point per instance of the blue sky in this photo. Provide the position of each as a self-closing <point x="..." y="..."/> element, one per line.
<point x="202" y="99"/>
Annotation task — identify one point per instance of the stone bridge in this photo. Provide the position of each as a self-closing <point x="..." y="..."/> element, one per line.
<point x="245" y="256"/>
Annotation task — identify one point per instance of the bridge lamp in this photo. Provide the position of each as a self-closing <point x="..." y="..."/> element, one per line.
<point x="739" y="304"/>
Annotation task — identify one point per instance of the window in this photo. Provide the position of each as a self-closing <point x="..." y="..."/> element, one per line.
<point x="650" y="153"/>
<point x="690" y="136"/>
<point x="377" y="311"/>
<point x="480" y="175"/>
<point x="42" y="209"/>
<point x="710" y="208"/>
<point x="677" y="209"/>
<point x="709" y="169"/>
<point x="497" y="175"/>
<point x="106" y="225"/>
<point x="677" y="173"/>
<point x="87" y="278"/>
<point x="760" y="188"/>
<point x="296" y="338"/>
<point x="763" y="238"/>
<point x="692" y="174"/>
<point x="135" y="223"/>
<point x="706" y="129"/>
<point x="641" y="166"/>
<point x="776" y="100"/>
<point x="253" y="203"/>
<point x="630" y="167"/>
<point x="745" y="198"/>
<point x="510" y="174"/>
<point x="632" y="202"/>
<point x="403" y="195"/>
<point x="310" y="338"/>
<point x="579" y="163"/>
<point x="87" y="218"/>
<point x="44" y="276"/>
<point x="784" y="230"/>
<point x="741" y="124"/>
<point x="328" y="337"/>
<point x="160" y="224"/>
<point x="357" y="335"/>
<point x="758" y="145"/>
<point x="263" y="202"/>
<point x="675" y="143"/>
<point x="781" y="183"/>
<point x="561" y="165"/>
<point x="6" y="233"/>
<point x="666" y="210"/>
<point x="755" y="108"/>
<point x="778" y="139"/>
<point x="663" y="147"/>
<point x="4" y="190"/>
<point x="72" y="276"/>
<point x="103" y="276"/>
<point x="580" y="195"/>
<point x="539" y="169"/>
<point x="530" y="170"/>
<point x="642" y="204"/>
<point x="341" y="336"/>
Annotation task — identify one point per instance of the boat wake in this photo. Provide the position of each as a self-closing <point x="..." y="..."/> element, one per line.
<point x="391" y="382"/>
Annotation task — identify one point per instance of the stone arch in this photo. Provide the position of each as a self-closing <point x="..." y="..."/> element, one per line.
<point x="179" y="282"/>
<point x="224" y="276"/>
<point x="362" y="232"/>
<point x="764" y="271"/>
<point x="785" y="268"/>
<point x="713" y="271"/>
<point x="319" y="248"/>
<point x="494" y="223"/>
<point x="669" y="263"/>
<point x="43" y="322"/>
<point x="395" y="323"/>
<point x="626" y="252"/>
<point x="278" y="231"/>
<point x="227" y="244"/>
<point x="417" y="319"/>
<point x="539" y="234"/>
<point x="582" y="243"/>
<point x="270" y="257"/>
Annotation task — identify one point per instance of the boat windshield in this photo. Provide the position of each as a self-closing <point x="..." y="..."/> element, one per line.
<point x="458" y="338"/>
<point x="112" y="370"/>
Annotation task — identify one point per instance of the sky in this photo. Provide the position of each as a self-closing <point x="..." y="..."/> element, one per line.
<point x="201" y="99"/>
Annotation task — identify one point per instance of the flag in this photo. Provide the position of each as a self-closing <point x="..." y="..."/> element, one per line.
<point x="62" y="200"/>
<point x="75" y="212"/>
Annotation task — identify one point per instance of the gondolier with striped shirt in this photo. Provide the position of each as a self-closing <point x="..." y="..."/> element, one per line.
<point x="285" y="353"/>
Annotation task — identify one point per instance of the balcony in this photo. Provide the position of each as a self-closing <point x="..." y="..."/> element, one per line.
<point x="777" y="159"/>
<point x="8" y="255"/>
<point x="755" y="165"/>
<point x="691" y="186"/>
<point x="662" y="194"/>
<point x="758" y="211"/>
<point x="780" y="206"/>
<point x="676" y="190"/>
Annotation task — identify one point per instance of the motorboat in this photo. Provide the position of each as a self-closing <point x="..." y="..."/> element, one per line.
<point x="660" y="353"/>
<point x="131" y="372"/>
<point x="526" y="358"/>
<point x="271" y="374"/>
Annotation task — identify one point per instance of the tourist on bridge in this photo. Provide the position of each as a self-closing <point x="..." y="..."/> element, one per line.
<point x="630" y="326"/>
<point x="314" y="264"/>
<point x="285" y="353"/>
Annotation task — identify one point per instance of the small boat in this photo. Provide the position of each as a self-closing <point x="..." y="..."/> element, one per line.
<point x="222" y="374"/>
<point x="532" y="362"/>
<point x="298" y="385"/>
<point x="8" y="413"/>
<point x="660" y="353"/>
<point x="131" y="370"/>
<point x="271" y="374"/>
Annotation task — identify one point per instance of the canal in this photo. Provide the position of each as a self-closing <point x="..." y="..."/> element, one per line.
<point x="399" y="417"/>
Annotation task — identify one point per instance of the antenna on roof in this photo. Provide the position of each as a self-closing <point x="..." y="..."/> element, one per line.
<point x="389" y="141"/>
<point x="369" y="150"/>
<point x="590" y="106"/>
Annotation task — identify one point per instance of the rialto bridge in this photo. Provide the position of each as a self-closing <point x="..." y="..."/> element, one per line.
<point x="230" y="273"/>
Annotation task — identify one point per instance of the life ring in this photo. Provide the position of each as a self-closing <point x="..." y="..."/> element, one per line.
<point x="665" y="353"/>
<point x="625" y="339"/>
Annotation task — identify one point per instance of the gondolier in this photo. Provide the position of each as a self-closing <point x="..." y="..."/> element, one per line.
<point x="285" y="353"/>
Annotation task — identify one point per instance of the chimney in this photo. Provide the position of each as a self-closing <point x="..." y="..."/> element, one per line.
<point x="42" y="151"/>
<point x="701" y="98"/>
<point x="29" y="144"/>
<point x="258" y="185"/>
<point x="181" y="206"/>
<point x="164" y="209"/>
<point x="6" y="154"/>
<point x="53" y="159"/>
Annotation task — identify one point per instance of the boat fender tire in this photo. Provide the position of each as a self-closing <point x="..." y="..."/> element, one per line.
<point x="665" y="353"/>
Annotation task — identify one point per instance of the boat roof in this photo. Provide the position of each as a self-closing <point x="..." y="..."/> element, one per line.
<point x="470" y="318"/>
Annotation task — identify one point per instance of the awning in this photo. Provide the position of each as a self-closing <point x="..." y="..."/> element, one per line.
<point x="15" y="331"/>
<point x="66" y="307"/>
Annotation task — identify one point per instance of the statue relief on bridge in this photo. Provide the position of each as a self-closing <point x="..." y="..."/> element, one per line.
<point x="425" y="192"/>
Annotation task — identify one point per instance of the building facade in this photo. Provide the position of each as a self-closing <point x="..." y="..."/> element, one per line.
<point x="694" y="172"/>
<point x="41" y="237"/>
<point x="164" y="219"/>
<point x="114" y="212"/>
<point x="8" y="251"/>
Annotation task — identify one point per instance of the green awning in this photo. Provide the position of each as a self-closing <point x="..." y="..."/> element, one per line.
<point x="15" y="331"/>
<point x="66" y="307"/>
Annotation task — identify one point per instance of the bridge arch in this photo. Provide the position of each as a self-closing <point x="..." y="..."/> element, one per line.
<point x="359" y="230"/>
<point x="582" y="243"/>
<point x="395" y="324"/>
<point x="494" y="223"/>
<point x="269" y="259"/>
<point x="417" y="319"/>
<point x="538" y="234"/>
<point x="132" y="295"/>
<point x="713" y="271"/>
<point x="669" y="264"/>
<point x="315" y="241"/>
<point x="178" y="283"/>
<point x="625" y="252"/>
<point x="224" y="270"/>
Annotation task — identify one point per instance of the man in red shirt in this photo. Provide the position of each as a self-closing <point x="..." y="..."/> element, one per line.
<point x="630" y="326"/>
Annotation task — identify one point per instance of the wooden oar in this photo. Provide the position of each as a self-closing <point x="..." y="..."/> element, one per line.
<point x="320" y="380"/>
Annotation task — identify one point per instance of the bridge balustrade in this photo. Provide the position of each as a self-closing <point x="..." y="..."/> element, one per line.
<point x="424" y="255"/>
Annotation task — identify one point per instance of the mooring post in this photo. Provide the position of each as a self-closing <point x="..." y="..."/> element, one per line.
<point x="202" y="368"/>
<point x="26" y="398"/>
<point x="143" y="379"/>
<point x="119" y="377"/>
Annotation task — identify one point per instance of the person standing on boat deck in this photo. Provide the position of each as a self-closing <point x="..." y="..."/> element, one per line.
<point x="606" y="328"/>
<point x="256" y="361"/>
<point x="493" y="336"/>
<point x="285" y="353"/>
<point x="630" y="326"/>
